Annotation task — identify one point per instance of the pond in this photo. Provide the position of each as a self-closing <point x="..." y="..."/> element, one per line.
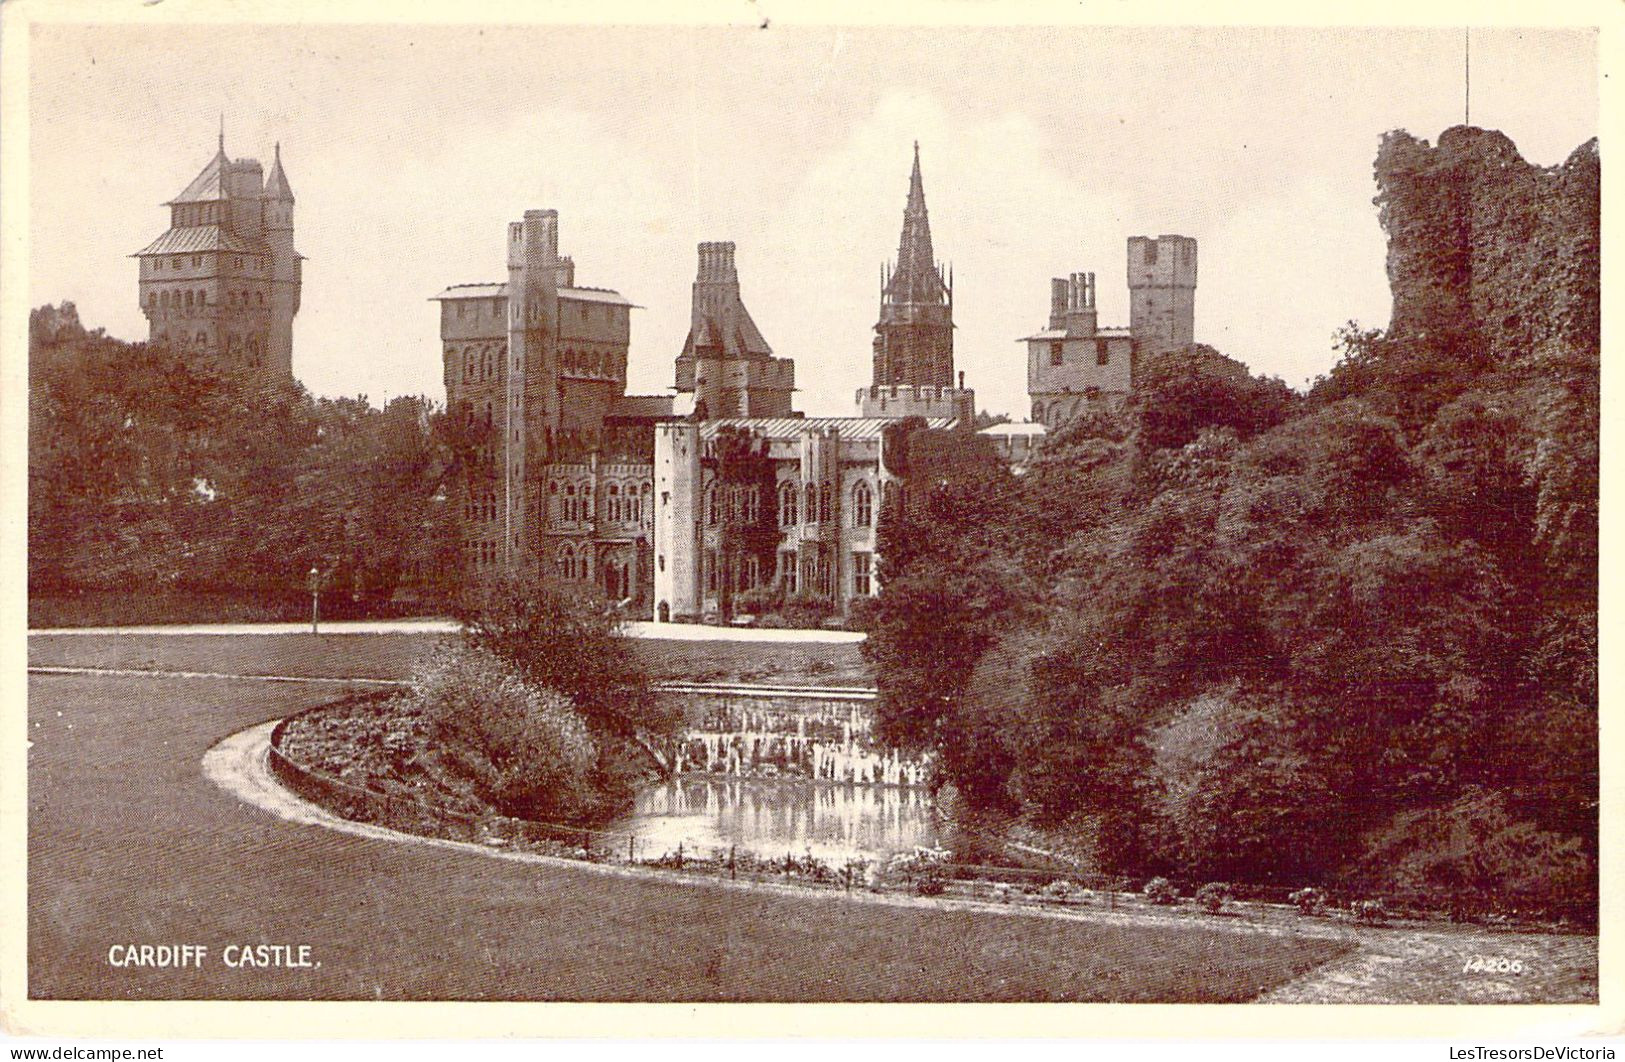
<point x="773" y="817"/>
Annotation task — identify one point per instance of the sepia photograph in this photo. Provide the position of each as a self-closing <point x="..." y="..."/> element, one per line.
<point x="961" y="507"/>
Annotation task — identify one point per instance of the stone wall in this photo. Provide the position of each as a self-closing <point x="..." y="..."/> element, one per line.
<point x="1484" y="243"/>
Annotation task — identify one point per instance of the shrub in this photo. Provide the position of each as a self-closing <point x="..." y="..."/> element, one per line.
<point x="1161" y="891"/>
<point x="1370" y="912"/>
<point x="1213" y="896"/>
<point x="1059" y="889"/>
<point x="1308" y="900"/>
<point x="932" y="882"/>
<point x="525" y="751"/>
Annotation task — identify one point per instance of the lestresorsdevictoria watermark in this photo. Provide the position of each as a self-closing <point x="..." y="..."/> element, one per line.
<point x="1531" y="1054"/>
<point x="237" y="956"/>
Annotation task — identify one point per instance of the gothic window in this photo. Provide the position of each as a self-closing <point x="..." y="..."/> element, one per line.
<point x="861" y="578"/>
<point x="750" y="572"/>
<point x="646" y="503"/>
<point x="753" y="504"/>
<point x="711" y="570"/>
<point x="567" y="561"/>
<point x="488" y="415"/>
<point x="614" y="504"/>
<point x="152" y="298"/>
<point x="811" y="515"/>
<point x="787" y="504"/>
<point x="571" y="509"/>
<point x="890" y="499"/>
<point x="587" y="511"/>
<point x="203" y="339"/>
<point x="188" y="300"/>
<point x="863" y="505"/>
<point x="787" y="570"/>
<point x="203" y="298"/>
<point x="262" y="298"/>
<point x="711" y="513"/>
<point x="1055" y="350"/>
<point x="1102" y="352"/>
<point x="826" y="510"/>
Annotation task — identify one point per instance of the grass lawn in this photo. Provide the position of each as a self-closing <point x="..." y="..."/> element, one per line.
<point x="129" y="843"/>
<point x="391" y="656"/>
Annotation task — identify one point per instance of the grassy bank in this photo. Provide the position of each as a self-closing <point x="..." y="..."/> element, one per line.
<point x="391" y="656"/>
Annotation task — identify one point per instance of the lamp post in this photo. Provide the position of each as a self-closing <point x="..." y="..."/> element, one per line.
<point x="315" y="579"/>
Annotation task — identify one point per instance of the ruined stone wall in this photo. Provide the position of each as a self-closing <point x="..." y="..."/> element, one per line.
<point x="1483" y="243"/>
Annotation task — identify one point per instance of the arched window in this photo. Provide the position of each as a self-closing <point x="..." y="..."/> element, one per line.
<point x="811" y="515"/>
<point x="891" y="498"/>
<point x="863" y="505"/>
<point x="567" y="561"/>
<point x="711" y="514"/>
<point x="646" y="504"/>
<point x="787" y="504"/>
<point x="614" y="504"/>
<point x="753" y="504"/>
<point x="163" y="299"/>
<point x="188" y="300"/>
<point x="587" y="513"/>
<point x="826" y="510"/>
<point x="571" y="511"/>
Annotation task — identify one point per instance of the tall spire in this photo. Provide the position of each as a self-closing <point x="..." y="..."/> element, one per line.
<point x="222" y="141"/>
<point x="915" y="278"/>
<point x="914" y="338"/>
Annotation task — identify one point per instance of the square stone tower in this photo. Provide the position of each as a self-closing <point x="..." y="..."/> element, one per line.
<point x="1162" y="292"/>
<point x="222" y="284"/>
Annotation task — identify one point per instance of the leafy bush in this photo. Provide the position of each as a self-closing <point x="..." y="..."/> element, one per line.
<point x="1476" y="855"/>
<point x="1308" y="900"/>
<point x="1370" y="912"/>
<point x="932" y="882"/>
<point x="1059" y="889"/>
<point x="1213" y="896"/>
<point x="524" y="750"/>
<point x="1161" y="891"/>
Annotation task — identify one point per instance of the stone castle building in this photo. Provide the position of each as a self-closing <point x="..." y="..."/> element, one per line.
<point x="557" y="470"/>
<point x="1073" y="362"/>
<point x="721" y="500"/>
<point x="222" y="284"/>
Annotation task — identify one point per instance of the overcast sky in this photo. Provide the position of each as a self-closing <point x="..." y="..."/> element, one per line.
<point x="409" y="148"/>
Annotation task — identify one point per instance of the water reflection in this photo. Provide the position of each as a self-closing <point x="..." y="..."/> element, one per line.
<point x="772" y="818"/>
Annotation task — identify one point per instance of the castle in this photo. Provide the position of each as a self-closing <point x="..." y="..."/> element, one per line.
<point x="1074" y="362"/>
<point x="714" y="501"/>
<point x="721" y="500"/>
<point x="222" y="284"/>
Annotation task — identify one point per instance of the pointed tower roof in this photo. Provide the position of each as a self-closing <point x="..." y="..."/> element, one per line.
<point x="211" y="183"/>
<point x="915" y="277"/>
<point x="276" y="185"/>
